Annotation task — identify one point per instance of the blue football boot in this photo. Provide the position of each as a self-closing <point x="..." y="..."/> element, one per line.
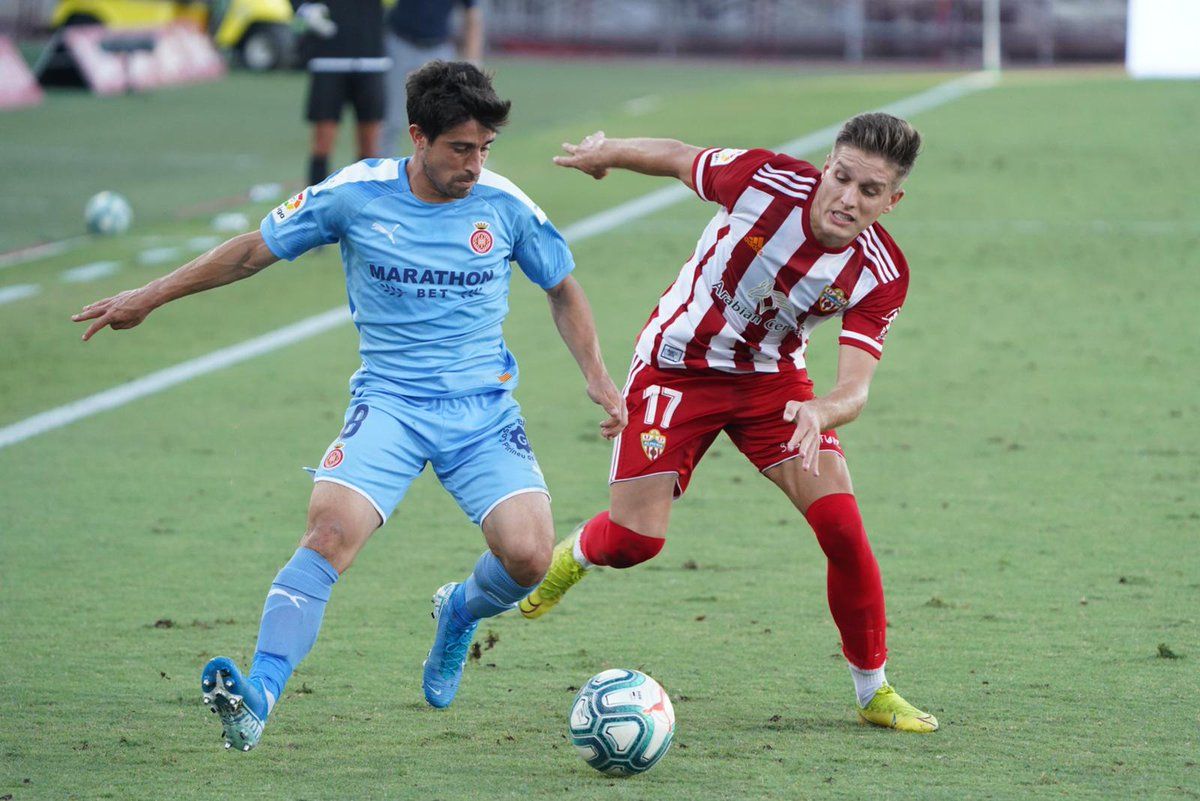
<point x="444" y="665"/>
<point x="241" y="704"/>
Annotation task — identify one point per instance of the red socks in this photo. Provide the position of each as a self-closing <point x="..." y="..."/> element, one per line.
<point x="606" y="543"/>
<point x="854" y="586"/>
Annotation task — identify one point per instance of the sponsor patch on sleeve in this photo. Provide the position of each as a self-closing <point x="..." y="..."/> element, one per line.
<point x="888" y="319"/>
<point x="289" y="207"/>
<point x="723" y="157"/>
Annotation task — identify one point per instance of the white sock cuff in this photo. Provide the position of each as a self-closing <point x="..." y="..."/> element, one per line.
<point x="577" y="551"/>
<point x="867" y="683"/>
<point x="858" y="672"/>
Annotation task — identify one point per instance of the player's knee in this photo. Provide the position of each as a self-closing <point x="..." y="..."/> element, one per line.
<point x="330" y="538"/>
<point x="528" y="569"/>
<point x="528" y="560"/>
<point x="844" y="544"/>
<point x="617" y="545"/>
<point x="836" y="521"/>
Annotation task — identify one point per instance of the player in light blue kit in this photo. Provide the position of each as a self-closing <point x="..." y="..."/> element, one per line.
<point x="426" y="243"/>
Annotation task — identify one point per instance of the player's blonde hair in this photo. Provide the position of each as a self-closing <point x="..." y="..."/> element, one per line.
<point x="883" y="135"/>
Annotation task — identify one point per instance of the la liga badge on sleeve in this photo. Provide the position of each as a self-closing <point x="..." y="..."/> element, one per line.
<point x="289" y="207"/>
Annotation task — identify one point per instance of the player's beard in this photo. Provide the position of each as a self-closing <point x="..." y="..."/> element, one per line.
<point x="456" y="190"/>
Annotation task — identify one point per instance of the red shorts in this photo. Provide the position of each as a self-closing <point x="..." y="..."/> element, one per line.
<point x="674" y="416"/>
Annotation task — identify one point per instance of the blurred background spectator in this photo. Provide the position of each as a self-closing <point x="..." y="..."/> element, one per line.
<point x="418" y="31"/>
<point x="343" y="43"/>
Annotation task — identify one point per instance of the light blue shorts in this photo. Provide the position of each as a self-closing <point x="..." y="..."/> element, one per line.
<point x="476" y="444"/>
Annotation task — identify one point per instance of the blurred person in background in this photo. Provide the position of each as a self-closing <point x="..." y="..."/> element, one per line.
<point x="343" y="44"/>
<point x="418" y="31"/>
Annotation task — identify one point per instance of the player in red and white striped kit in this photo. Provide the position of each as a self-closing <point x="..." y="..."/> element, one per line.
<point x="790" y="247"/>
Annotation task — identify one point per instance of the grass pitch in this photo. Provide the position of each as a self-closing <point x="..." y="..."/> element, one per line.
<point x="1027" y="468"/>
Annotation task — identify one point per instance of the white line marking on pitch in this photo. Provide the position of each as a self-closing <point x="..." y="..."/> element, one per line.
<point x="16" y="292"/>
<point x="282" y="337"/>
<point x="42" y="251"/>
<point x="89" y="272"/>
<point x="164" y="379"/>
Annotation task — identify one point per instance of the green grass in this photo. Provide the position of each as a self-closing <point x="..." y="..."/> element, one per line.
<point x="1028" y="469"/>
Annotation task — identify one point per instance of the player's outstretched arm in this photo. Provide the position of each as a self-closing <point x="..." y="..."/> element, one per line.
<point x="597" y="154"/>
<point x="573" y="318"/>
<point x="843" y="404"/>
<point x="240" y="257"/>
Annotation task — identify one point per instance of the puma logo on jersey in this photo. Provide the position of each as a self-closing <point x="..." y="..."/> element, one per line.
<point x="390" y="234"/>
<point x="296" y="599"/>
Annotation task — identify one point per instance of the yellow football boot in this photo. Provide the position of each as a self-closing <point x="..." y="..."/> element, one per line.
<point x="888" y="709"/>
<point x="564" y="573"/>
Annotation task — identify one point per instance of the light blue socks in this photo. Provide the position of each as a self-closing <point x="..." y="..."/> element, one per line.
<point x="291" y="619"/>
<point x="489" y="590"/>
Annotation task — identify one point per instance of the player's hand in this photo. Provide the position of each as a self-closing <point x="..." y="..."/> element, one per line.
<point x="118" y="312"/>
<point x="586" y="156"/>
<point x="604" y="393"/>
<point x="806" y="439"/>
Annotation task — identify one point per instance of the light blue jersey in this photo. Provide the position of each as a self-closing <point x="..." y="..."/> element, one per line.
<point x="427" y="282"/>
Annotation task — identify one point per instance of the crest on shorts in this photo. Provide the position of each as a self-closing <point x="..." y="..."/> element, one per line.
<point x="654" y="442"/>
<point x="516" y="442"/>
<point x="832" y="299"/>
<point x="481" y="238"/>
<point x="334" y="457"/>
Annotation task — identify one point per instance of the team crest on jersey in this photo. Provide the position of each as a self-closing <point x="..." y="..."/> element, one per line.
<point x="481" y="238"/>
<point x="289" y="207"/>
<point x="654" y="442"/>
<point x="755" y="242"/>
<point x="832" y="299"/>
<point x="334" y="457"/>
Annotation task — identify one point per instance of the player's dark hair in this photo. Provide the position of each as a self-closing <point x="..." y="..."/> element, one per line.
<point x="443" y="94"/>
<point x="883" y="135"/>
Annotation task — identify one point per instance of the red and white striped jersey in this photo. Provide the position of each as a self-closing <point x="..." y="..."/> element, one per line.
<point x="759" y="282"/>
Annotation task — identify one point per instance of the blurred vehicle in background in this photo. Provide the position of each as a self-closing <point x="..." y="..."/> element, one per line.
<point x="258" y="32"/>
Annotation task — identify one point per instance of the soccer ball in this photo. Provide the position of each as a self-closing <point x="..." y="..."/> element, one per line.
<point x="622" y="722"/>
<point x="107" y="213"/>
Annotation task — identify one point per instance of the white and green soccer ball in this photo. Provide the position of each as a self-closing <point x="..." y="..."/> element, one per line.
<point x="108" y="214"/>
<point x="622" y="722"/>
